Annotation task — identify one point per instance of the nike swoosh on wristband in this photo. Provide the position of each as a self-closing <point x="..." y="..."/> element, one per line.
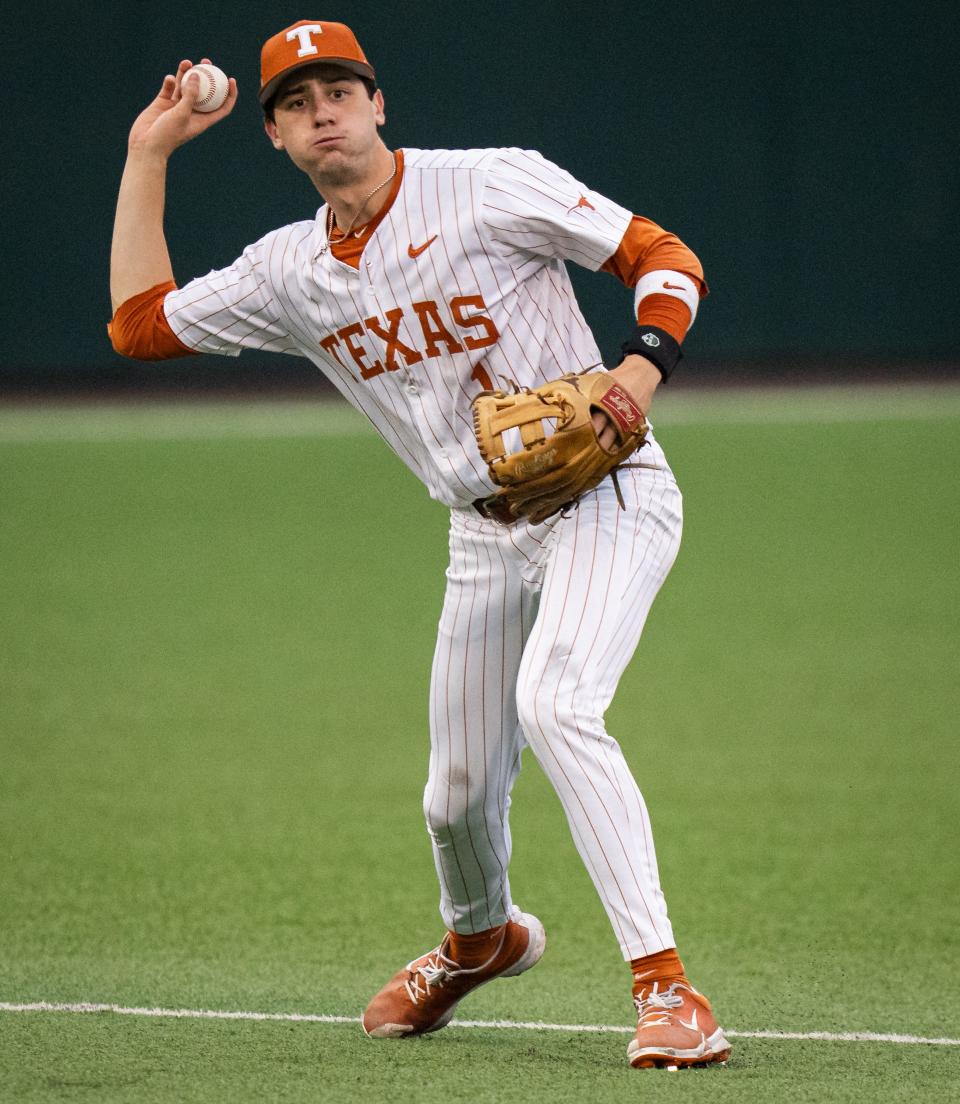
<point x="675" y="287"/>
<point x="412" y="252"/>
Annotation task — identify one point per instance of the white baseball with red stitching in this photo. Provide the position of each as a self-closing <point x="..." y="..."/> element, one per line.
<point x="214" y="86"/>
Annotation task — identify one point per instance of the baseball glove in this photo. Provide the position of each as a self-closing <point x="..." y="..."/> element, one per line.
<point x="551" y="471"/>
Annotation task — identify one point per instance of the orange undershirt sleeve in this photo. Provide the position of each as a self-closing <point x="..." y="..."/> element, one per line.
<point x="140" y="328"/>
<point x="647" y="247"/>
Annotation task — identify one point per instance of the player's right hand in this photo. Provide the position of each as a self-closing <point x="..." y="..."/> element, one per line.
<point x="170" y="120"/>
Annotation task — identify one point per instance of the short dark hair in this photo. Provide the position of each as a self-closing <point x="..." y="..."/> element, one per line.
<point x="367" y="83"/>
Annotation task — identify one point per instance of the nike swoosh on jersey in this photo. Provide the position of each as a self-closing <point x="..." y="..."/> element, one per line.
<point x="415" y="252"/>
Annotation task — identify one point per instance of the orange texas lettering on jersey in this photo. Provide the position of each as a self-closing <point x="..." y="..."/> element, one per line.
<point x="435" y="331"/>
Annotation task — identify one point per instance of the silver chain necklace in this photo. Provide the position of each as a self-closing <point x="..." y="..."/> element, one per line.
<point x="346" y="233"/>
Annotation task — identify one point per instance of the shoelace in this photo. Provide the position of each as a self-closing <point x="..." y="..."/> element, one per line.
<point x="654" y="1010"/>
<point x="438" y="967"/>
<point x="434" y="972"/>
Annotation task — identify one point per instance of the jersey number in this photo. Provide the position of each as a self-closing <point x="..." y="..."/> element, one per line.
<point x="482" y="377"/>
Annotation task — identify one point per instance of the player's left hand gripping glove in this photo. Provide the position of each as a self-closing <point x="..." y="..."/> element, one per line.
<point x="553" y="469"/>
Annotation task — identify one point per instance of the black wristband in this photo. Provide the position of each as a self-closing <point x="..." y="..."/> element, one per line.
<point x="656" y="345"/>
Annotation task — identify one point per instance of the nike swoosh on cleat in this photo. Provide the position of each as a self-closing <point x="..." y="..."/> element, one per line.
<point x="415" y="252"/>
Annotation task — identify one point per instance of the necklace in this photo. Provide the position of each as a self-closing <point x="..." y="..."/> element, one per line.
<point x="346" y="233"/>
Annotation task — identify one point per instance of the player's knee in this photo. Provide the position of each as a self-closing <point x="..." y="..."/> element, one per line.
<point x="531" y="704"/>
<point x="544" y="715"/>
<point x="451" y="806"/>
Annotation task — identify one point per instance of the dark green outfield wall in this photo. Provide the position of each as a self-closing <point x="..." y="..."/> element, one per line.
<point x="808" y="153"/>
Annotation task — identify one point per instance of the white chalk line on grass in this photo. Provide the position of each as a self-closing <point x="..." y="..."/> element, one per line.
<point x="508" y="1025"/>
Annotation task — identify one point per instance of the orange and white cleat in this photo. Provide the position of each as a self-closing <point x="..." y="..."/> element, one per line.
<point x="422" y="997"/>
<point x="676" y="1028"/>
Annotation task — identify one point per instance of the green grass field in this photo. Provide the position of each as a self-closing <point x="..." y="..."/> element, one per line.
<point x="217" y="631"/>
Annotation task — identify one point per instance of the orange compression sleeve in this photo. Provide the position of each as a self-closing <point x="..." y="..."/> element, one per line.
<point x="140" y="328"/>
<point x="647" y="247"/>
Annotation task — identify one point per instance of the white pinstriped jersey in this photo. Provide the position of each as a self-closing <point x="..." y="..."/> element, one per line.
<point x="461" y="286"/>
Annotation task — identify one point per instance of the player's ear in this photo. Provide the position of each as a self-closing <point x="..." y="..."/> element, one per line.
<point x="272" y="133"/>
<point x="379" y="113"/>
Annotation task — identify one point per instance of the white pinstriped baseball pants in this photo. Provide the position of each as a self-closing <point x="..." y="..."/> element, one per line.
<point x="538" y="625"/>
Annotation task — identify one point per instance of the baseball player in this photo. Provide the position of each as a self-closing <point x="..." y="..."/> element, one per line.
<point x="428" y="280"/>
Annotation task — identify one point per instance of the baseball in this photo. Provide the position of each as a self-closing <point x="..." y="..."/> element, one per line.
<point x="214" y="87"/>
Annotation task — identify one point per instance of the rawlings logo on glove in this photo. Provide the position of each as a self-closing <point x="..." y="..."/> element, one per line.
<point x="550" y="471"/>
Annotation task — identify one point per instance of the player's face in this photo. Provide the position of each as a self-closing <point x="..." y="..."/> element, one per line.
<point x="327" y="123"/>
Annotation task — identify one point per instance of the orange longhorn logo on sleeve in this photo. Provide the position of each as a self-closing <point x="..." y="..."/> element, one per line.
<point x="581" y="202"/>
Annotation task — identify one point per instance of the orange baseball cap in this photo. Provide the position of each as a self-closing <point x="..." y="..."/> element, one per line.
<point x="306" y="43"/>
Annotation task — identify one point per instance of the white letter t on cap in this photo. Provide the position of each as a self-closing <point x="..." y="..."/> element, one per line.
<point x="304" y="33"/>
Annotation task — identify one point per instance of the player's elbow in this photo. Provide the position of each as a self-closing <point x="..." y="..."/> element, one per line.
<point x="139" y="328"/>
<point x="694" y="269"/>
<point x="131" y="345"/>
<point x="143" y="346"/>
